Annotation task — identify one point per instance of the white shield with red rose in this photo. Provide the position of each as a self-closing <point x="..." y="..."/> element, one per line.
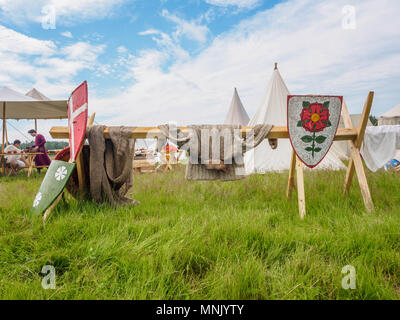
<point x="312" y="125"/>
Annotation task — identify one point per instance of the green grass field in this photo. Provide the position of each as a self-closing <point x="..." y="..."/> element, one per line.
<point x="204" y="240"/>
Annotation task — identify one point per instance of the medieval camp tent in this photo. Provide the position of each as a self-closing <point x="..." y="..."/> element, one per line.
<point x="273" y="110"/>
<point x="392" y="117"/>
<point x="15" y="105"/>
<point x="237" y="114"/>
<point x="35" y="94"/>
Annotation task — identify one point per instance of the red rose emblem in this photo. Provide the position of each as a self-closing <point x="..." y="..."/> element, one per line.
<point x="315" y="117"/>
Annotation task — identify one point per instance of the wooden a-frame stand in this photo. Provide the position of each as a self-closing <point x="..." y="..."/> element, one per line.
<point x="355" y="162"/>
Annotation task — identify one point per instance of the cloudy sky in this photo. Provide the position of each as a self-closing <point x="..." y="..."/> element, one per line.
<point x="152" y="61"/>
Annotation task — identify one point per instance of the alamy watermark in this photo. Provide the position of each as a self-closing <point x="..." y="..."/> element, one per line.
<point x="49" y="17"/>
<point x="349" y="18"/>
<point x="49" y="280"/>
<point x="349" y="281"/>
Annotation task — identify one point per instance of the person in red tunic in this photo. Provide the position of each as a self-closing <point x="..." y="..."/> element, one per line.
<point x="41" y="159"/>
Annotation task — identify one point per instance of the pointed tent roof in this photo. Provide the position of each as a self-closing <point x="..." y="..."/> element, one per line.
<point x="36" y="94"/>
<point x="20" y="106"/>
<point x="391" y="117"/>
<point x="8" y="95"/>
<point x="237" y="114"/>
<point x="273" y="110"/>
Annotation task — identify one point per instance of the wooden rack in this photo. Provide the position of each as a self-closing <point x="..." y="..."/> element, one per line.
<point x="354" y="136"/>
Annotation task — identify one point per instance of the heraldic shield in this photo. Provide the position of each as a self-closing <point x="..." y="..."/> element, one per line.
<point x="52" y="185"/>
<point x="77" y="119"/>
<point x="312" y="125"/>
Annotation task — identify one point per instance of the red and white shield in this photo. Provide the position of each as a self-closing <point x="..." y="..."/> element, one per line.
<point x="312" y="125"/>
<point x="77" y="119"/>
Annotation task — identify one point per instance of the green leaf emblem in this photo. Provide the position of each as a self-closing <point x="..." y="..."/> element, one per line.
<point x="320" y="139"/>
<point x="307" y="139"/>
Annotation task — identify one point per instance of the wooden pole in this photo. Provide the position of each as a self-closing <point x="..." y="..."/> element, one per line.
<point x="6" y="133"/>
<point x="36" y="125"/>
<point x="359" y="138"/>
<point x="80" y="169"/>
<point x="291" y="175"/>
<point x="300" y="188"/>
<point x="2" y="146"/>
<point x="355" y="163"/>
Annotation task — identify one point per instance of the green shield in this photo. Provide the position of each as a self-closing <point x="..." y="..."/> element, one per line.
<point x="52" y="185"/>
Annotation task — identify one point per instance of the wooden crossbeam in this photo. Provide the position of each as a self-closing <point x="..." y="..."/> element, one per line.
<point x="154" y="132"/>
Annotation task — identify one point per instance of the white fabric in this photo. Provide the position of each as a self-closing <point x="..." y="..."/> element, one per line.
<point x="19" y="106"/>
<point x="35" y="94"/>
<point x="237" y="114"/>
<point x="392" y="117"/>
<point x="273" y="110"/>
<point x="20" y="164"/>
<point x="342" y="148"/>
<point x="380" y="145"/>
<point x="12" y="148"/>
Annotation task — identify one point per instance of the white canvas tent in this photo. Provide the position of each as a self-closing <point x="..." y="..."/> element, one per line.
<point x="15" y="105"/>
<point x="392" y="117"/>
<point x="237" y="114"/>
<point x="35" y="94"/>
<point x="273" y="110"/>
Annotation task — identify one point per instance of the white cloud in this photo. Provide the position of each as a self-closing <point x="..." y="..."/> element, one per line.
<point x="67" y="11"/>
<point x="192" y="30"/>
<point x="122" y="49"/>
<point x="28" y="62"/>
<point x="67" y="34"/>
<point x="315" y="55"/>
<point x="237" y="3"/>
<point x="169" y="47"/>
<point x="83" y="51"/>
<point x="15" y="42"/>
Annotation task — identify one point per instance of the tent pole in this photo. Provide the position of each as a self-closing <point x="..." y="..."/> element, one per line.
<point x="2" y="146"/>
<point x="36" y="125"/>
<point x="6" y="131"/>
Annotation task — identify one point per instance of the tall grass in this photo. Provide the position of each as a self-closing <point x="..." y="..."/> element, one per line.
<point x="205" y="240"/>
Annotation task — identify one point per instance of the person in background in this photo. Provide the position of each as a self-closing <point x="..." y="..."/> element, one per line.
<point x="41" y="159"/>
<point x="16" y="161"/>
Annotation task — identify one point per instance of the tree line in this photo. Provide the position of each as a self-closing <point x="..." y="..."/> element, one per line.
<point x="50" y="145"/>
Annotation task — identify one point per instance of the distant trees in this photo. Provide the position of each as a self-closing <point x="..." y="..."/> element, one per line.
<point x="50" y="145"/>
<point x="373" y="120"/>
